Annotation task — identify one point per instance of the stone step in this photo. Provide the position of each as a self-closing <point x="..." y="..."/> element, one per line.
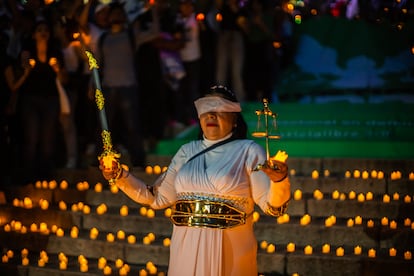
<point x="279" y="262"/>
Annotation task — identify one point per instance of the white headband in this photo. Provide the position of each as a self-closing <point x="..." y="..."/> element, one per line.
<point x="215" y="104"/>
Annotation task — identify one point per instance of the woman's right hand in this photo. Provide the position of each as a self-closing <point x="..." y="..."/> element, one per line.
<point x="110" y="167"/>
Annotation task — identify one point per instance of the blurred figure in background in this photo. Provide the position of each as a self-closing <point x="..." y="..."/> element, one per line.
<point x="190" y="54"/>
<point x="39" y="99"/>
<point x="230" y="46"/>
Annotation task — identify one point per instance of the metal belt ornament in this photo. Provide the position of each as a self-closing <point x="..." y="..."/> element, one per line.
<point x="109" y="155"/>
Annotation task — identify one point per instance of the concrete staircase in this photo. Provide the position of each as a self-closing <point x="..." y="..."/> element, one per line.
<point x="379" y="229"/>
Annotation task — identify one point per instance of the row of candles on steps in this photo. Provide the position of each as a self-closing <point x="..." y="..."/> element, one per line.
<point x="150" y="213"/>
<point x="339" y="251"/>
<point x="102" y="263"/>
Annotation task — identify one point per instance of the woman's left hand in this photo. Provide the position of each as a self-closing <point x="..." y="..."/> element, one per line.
<point x="276" y="170"/>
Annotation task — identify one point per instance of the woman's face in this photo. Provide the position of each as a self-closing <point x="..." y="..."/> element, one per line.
<point x="41" y="32"/>
<point x="217" y="125"/>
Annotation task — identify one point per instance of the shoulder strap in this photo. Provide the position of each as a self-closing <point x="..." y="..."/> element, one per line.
<point x="210" y="148"/>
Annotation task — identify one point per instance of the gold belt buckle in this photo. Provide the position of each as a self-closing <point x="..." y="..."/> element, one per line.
<point x="204" y="213"/>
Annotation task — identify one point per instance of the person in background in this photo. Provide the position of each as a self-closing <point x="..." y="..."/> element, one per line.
<point x="39" y="101"/>
<point x="212" y="185"/>
<point x="119" y="82"/>
<point x="260" y="52"/>
<point x="190" y="54"/>
<point x="231" y="46"/>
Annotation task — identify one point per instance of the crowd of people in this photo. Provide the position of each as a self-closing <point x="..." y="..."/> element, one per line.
<point x="152" y="66"/>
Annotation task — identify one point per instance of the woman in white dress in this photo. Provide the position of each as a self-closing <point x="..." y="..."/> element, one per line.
<point x="212" y="185"/>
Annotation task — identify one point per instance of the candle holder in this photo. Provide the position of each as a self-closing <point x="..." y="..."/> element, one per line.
<point x="268" y="134"/>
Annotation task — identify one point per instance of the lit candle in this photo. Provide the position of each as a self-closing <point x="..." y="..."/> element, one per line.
<point x="370" y="223"/>
<point x="393" y="224"/>
<point x="27" y="202"/>
<point x="384" y="221"/>
<point x="52" y="184"/>
<point x="60" y="232"/>
<point x="83" y="267"/>
<point x="120" y="235"/>
<point x="271" y="248"/>
<point x="335" y="194"/>
<point x="93" y="233"/>
<point x="63" y="265"/>
<point x="43" y="228"/>
<point x="119" y="263"/>
<point x="10" y="253"/>
<point x="358" y="220"/>
<point x="263" y="244"/>
<point x="33" y="227"/>
<point x="350" y="222"/>
<point x="101" y="263"/>
<point x="146" y="240"/>
<point x="357" y="174"/>
<point x="317" y="194"/>
<point x="326" y="173"/>
<point x="168" y="212"/>
<point x="386" y="198"/>
<point x="342" y="196"/>
<point x="7" y="227"/>
<point x="17" y="226"/>
<point x="297" y="194"/>
<point x="38" y="184"/>
<point x="86" y="209"/>
<point x="365" y="175"/>
<point x="24" y="253"/>
<point x="352" y="195"/>
<point x="151" y="213"/>
<point x="396" y="196"/>
<point x="305" y="219"/>
<point x="123" y="211"/>
<point x="148" y="170"/>
<point x="407" y="255"/>
<point x="110" y="237"/>
<point x="4" y="259"/>
<point x="157" y="169"/>
<point x="374" y="174"/>
<point x="361" y="197"/>
<point x="315" y="174"/>
<point x="25" y="261"/>
<point x="166" y="242"/>
<point x="41" y="263"/>
<point x="98" y="187"/>
<point x="308" y="250"/>
<point x="407" y="199"/>
<point x="292" y="172"/>
<point x="347" y="174"/>
<point x="62" y="206"/>
<point x="114" y="189"/>
<point x="143" y="272"/>
<point x="393" y="252"/>
<point x="151" y="236"/>
<point x="326" y="248"/>
<point x="131" y="239"/>
<point x="45" y="184"/>
<point x="328" y="222"/>
<point x="74" y="232"/>
<point x="380" y="175"/>
<point x="340" y="252"/>
<point x="64" y="185"/>
<point x="290" y="247"/>
<point x="143" y="211"/>
<point x="256" y="216"/>
<point x="407" y="222"/>
<point x="411" y="176"/>
<point x="153" y="270"/>
<point x="372" y="253"/>
<point x="357" y="250"/>
<point x="369" y="196"/>
<point x="107" y="269"/>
